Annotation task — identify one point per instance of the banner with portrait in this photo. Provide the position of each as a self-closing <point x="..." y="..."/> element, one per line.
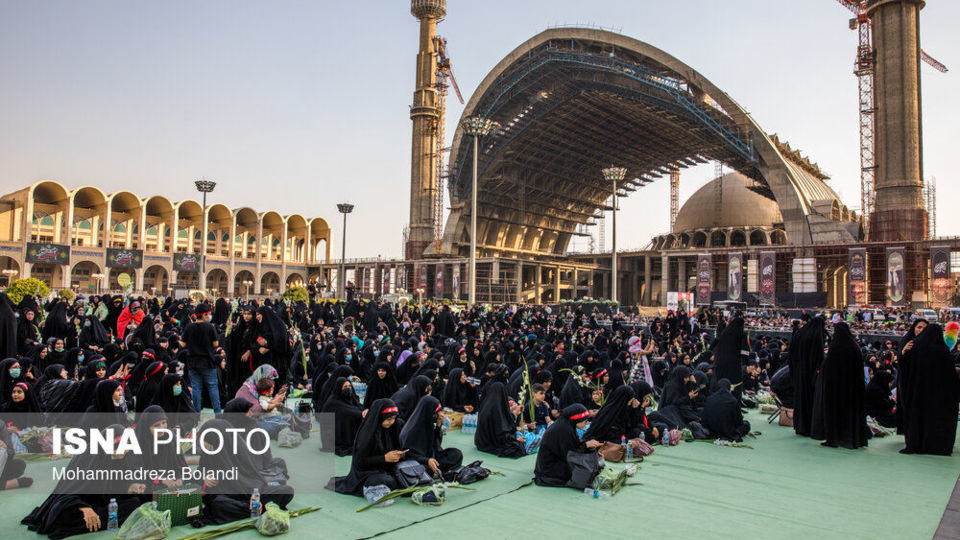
<point x="438" y="285"/>
<point x="735" y="277"/>
<point x="940" y="285"/>
<point x="47" y="253"/>
<point x="896" y="276"/>
<point x="456" y="281"/>
<point x="385" y="280"/>
<point x="704" y="279"/>
<point x="857" y="277"/>
<point x="124" y="258"/>
<point x="768" y="278"/>
<point x="422" y="277"/>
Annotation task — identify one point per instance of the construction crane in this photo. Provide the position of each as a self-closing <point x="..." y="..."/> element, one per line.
<point x="674" y="196"/>
<point x="864" y="69"/>
<point x="445" y="80"/>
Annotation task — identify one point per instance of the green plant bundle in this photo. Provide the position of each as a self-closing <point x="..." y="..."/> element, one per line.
<point x="241" y="525"/>
<point x="26" y="287"/>
<point x="409" y="491"/>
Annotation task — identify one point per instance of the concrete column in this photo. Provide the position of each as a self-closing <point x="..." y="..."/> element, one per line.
<point x="138" y="279"/>
<point x="576" y="283"/>
<point x="519" y="288"/>
<point x="664" y="279"/>
<point x="556" y="284"/>
<point x="70" y="222"/>
<point x="899" y="212"/>
<point x="590" y="283"/>
<point x="259" y="273"/>
<point x="536" y="285"/>
<point x="681" y="275"/>
<point x="647" y="270"/>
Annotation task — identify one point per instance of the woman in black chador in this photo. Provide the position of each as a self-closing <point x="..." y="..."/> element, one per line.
<point x="806" y="355"/>
<point x="929" y="396"/>
<point x="423" y="438"/>
<point x="839" y="417"/>
<point x="376" y="452"/>
<point x="561" y="437"/>
<point x="496" y="425"/>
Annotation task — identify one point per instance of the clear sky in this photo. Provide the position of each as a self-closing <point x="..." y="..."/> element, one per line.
<point x="296" y="105"/>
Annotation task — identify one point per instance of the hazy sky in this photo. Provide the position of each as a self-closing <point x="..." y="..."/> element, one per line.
<point x="296" y="105"/>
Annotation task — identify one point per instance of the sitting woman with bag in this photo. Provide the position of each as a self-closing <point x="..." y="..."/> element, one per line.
<point x="497" y="425"/>
<point x="376" y="452"/>
<point x="423" y="437"/>
<point x="552" y="469"/>
<point x="614" y="420"/>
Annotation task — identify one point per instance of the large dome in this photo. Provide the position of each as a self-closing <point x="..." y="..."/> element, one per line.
<point x="740" y="206"/>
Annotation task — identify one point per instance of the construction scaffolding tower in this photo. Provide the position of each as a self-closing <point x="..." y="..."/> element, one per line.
<point x="930" y="201"/>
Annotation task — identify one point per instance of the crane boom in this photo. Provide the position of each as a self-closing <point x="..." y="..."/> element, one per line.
<point x="933" y="62"/>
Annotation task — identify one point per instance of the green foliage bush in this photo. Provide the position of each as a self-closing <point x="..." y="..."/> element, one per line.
<point x="26" y="287"/>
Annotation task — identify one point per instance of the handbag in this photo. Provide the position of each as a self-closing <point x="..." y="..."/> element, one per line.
<point x="641" y="447"/>
<point x="584" y="466"/>
<point x="471" y="473"/>
<point x="183" y="502"/>
<point x="786" y="417"/>
<point x="412" y="473"/>
<point x="612" y="452"/>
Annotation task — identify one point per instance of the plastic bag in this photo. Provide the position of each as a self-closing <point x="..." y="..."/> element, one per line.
<point x="432" y="496"/>
<point x="145" y="523"/>
<point x="287" y="438"/>
<point x="273" y="520"/>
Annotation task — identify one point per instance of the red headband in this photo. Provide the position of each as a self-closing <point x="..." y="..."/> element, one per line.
<point x="389" y="410"/>
<point x="601" y="374"/>
<point x="439" y="406"/>
<point x="148" y="355"/>
<point x="154" y="372"/>
<point x="584" y="414"/>
<point x="24" y="386"/>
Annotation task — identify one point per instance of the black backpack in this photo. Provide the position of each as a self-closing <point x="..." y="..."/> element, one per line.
<point x="584" y="467"/>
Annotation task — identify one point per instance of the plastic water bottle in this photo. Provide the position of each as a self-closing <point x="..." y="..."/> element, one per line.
<point x="626" y="446"/>
<point x="255" y="504"/>
<point x="596" y="493"/>
<point x="446" y="424"/>
<point x="112" y="510"/>
<point x="666" y="437"/>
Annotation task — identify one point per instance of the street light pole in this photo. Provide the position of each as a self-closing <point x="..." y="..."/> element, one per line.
<point x="476" y="127"/>
<point x="614" y="175"/>
<point x="204" y="186"/>
<point x="344" y="208"/>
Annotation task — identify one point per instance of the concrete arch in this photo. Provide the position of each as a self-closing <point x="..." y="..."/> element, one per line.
<point x="88" y="209"/>
<point x="270" y="283"/>
<point x="565" y="69"/>
<point x="295" y="279"/>
<point x="14" y="268"/>
<point x="759" y="238"/>
<point x="156" y="279"/>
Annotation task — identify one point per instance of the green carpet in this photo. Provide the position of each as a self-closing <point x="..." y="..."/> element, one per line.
<point x="786" y="487"/>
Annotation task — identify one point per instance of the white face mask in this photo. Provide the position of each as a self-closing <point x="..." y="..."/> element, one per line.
<point x="116" y="402"/>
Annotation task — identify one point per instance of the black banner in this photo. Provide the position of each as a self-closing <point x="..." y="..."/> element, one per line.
<point x="735" y="277"/>
<point x="940" y="276"/>
<point x="768" y="278"/>
<point x="47" y="253"/>
<point x="124" y="258"/>
<point x="186" y="262"/>
<point x="857" y="277"/>
<point x="896" y="276"/>
<point x="704" y="279"/>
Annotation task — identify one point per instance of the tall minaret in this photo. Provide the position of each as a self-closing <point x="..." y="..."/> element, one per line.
<point x="425" y="114"/>
<point x="898" y="214"/>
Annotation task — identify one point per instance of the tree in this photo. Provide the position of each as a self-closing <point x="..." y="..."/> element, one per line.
<point x="26" y="287"/>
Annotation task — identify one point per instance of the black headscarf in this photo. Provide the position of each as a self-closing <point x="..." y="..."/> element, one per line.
<point x="496" y="427"/>
<point x="561" y="437"/>
<point x="929" y="397"/>
<point x="373" y="441"/>
<point x="806" y="355"/>
<point x="347" y="415"/>
<point x="727" y="354"/>
<point x="166" y="458"/>
<point x="420" y="434"/>
<point x="8" y="328"/>
<point x="407" y="397"/>
<point x="378" y="388"/>
<point x="151" y="383"/>
<point x="170" y="403"/>
<point x="456" y="394"/>
<point x="612" y="421"/>
<point x="6" y="380"/>
<point x="838" y="414"/>
<point x="328" y="387"/>
<point x="102" y="412"/>
<point x="721" y="414"/>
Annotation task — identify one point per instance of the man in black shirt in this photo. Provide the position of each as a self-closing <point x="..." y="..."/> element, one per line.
<point x="200" y="339"/>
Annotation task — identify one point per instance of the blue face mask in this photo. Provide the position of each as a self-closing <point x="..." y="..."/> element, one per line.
<point x="15" y="372"/>
<point x="177" y="390"/>
<point x="86" y="323"/>
<point x="348" y="357"/>
<point x="80" y="358"/>
<point x="376" y="354"/>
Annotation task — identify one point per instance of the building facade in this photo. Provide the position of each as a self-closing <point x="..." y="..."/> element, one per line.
<point x="85" y="239"/>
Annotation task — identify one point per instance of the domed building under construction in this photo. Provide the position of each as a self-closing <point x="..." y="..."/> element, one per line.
<point x="576" y="116"/>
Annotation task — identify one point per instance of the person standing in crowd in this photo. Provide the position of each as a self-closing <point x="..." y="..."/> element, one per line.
<point x="201" y="340"/>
